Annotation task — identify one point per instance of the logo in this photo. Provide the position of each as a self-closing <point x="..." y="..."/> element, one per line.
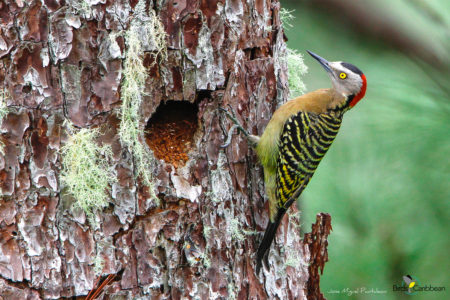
<point x="410" y="283"/>
<point x="412" y="286"/>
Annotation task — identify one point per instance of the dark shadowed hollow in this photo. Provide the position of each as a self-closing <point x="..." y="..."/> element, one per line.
<point x="170" y="131"/>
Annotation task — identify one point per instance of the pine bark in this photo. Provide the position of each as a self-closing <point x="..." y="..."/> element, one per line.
<point x="200" y="241"/>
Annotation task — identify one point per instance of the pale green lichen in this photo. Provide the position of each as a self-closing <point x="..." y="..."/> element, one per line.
<point x="82" y="8"/>
<point x="231" y="288"/>
<point x="148" y="30"/>
<point x="207" y="231"/>
<point x="213" y="197"/>
<point x="4" y="95"/>
<point x="249" y="232"/>
<point x="86" y="172"/>
<point x="296" y="70"/>
<point x="234" y="229"/>
<point x="294" y="218"/>
<point x="286" y="17"/>
<point x="294" y="60"/>
<point x="206" y="260"/>
<point x="292" y="259"/>
<point x="99" y="264"/>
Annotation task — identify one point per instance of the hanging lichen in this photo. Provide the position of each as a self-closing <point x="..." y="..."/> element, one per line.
<point x="145" y="33"/>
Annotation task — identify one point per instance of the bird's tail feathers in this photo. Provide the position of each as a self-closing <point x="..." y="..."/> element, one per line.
<point x="269" y="235"/>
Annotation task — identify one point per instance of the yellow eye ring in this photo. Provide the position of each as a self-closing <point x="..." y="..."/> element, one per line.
<point x="342" y="75"/>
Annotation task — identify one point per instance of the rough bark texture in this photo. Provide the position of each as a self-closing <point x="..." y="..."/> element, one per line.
<point x="57" y="63"/>
<point x="317" y="244"/>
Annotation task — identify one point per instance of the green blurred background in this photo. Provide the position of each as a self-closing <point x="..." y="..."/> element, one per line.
<point x="385" y="181"/>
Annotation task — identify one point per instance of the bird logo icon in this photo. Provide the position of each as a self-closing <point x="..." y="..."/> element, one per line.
<point x="410" y="282"/>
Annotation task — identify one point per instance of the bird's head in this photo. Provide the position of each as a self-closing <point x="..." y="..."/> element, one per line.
<point x="347" y="79"/>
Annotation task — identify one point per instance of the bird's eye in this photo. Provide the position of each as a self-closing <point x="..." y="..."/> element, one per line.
<point x="342" y="75"/>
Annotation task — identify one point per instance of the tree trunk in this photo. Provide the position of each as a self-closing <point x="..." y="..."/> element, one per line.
<point x="64" y="61"/>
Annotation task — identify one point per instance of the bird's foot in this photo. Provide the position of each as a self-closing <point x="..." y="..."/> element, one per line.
<point x="237" y="125"/>
<point x="229" y="136"/>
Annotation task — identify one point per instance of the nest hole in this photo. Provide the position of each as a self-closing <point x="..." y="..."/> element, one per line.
<point x="170" y="131"/>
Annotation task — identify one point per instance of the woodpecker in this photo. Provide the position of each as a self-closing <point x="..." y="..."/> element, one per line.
<point x="297" y="137"/>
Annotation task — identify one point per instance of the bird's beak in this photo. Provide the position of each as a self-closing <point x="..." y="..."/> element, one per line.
<point x="325" y="64"/>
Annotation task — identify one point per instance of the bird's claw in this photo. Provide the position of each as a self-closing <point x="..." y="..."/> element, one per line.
<point x="237" y="125"/>
<point x="229" y="136"/>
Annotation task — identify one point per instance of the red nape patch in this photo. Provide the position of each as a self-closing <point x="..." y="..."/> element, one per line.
<point x="361" y="93"/>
